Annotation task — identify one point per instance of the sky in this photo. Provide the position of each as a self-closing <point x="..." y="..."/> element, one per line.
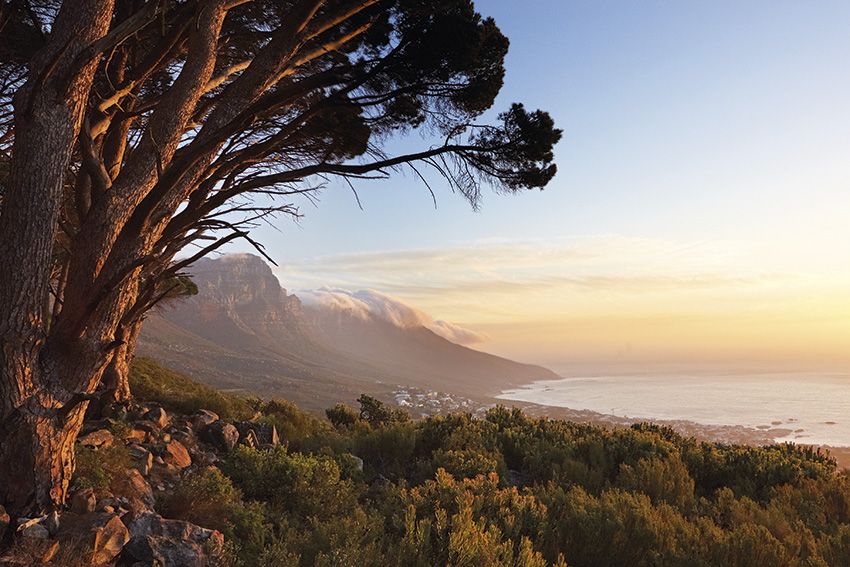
<point x="699" y="217"/>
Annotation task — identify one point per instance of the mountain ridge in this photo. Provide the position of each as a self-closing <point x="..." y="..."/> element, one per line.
<point x="244" y="331"/>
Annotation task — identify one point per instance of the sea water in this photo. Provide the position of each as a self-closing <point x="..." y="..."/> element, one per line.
<point x="814" y="407"/>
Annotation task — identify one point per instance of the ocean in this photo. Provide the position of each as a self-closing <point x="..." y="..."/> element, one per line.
<point x="803" y="408"/>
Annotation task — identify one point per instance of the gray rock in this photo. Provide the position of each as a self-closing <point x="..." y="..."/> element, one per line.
<point x="102" y="534"/>
<point x="35" y="531"/>
<point x="51" y="522"/>
<point x="158" y="416"/>
<point x="169" y="542"/>
<point x="264" y="433"/>
<point x="204" y="418"/>
<point x="221" y="434"/>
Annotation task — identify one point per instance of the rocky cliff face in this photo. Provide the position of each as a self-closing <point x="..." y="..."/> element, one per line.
<point x="240" y="303"/>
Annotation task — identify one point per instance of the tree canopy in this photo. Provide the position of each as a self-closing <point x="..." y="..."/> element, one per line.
<point x="132" y="130"/>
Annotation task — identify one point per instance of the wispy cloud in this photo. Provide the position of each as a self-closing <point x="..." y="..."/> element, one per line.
<point x="498" y="269"/>
<point x="371" y="304"/>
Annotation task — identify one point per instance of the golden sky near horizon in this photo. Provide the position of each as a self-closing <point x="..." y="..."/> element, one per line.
<point x="613" y="299"/>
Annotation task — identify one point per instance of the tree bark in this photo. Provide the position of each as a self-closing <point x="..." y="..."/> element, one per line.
<point x="37" y="427"/>
<point x="116" y="377"/>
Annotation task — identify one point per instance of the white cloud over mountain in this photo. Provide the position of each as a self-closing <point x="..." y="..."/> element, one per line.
<point x="370" y="304"/>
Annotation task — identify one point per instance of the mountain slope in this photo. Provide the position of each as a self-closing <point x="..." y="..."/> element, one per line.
<point x="244" y="331"/>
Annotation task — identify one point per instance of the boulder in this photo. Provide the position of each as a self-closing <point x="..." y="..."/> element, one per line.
<point x="101" y="438"/>
<point x="203" y="458"/>
<point x="203" y="418"/>
<point x="150" y="428"/>
<point x="34" y="531"/>
<point x="264" y="433"/>
<point x="103" y="535"/>
<point x="158" y="416"/>
<point x="83" y="501"/>
<point x="250" y="439"/>
<point x="221" y="434"/>
<point x="135" y="489"/>
<point x="143" y="459"/>
<point x="51" y="522"/>
<point x="169" y="542"/>
<point x="136" y="434"/>
<point x="177" y="455"/>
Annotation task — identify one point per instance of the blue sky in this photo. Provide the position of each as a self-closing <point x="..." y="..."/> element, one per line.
<point x="704" y="142"/>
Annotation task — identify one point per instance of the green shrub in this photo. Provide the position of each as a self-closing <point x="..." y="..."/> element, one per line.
<point x="209" y="499"/>
<point x="97" y="468"/>
<point x="150" y="381"/>
<point x="302" y="486"/>
<point x="342" y="415"/>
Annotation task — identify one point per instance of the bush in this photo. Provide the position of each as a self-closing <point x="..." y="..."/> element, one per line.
<point x="209" y="499"/>
<point x="97" y="468"/>
<point x="293" y="424"/>
<point x="342" y="415"/>
<point x="150" y="381"/>
<point x="302" y="486"/>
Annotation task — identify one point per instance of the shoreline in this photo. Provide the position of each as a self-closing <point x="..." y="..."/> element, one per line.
<point x="420" y="402"/>
<point x="730" y="434"/>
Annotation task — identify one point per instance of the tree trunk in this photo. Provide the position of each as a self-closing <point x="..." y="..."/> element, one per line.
<point x="116" y="377"/>
<point x="37" y="451"/>
<point x="38" y="422"/>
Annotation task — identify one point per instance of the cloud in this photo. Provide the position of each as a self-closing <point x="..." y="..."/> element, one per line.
<point x="370" y="304"/>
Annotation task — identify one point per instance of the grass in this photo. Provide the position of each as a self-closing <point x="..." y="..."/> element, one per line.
<point x="150" y="381"/>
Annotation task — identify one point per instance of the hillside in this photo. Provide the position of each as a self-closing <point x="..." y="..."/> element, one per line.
<point x="244" y="332"/>
<point x="370" y="487"/>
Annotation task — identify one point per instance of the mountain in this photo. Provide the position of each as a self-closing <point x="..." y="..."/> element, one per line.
<point x="243" y="331"/>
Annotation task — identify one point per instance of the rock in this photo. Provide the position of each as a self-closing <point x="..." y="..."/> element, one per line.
<point x="115" y="410"/>
<point x="265" y="433"/>
<point x="158" y="416"/>
<point x="35" y="531"/>
<point x="203" y="458"/>
<point x="358" y="462"/>
<point x="135" y="489"/>
<point x="223" y="435"/>
<point x="136" y="434"/>
<point x="250" y="439"/>
<point x="5" y="520"/>
<point x="143" y="459"/>
<point x="101" y="438"/>
<point x="52" y="523"/>
<point x="169" y="542"/>
<point x="83" y="501"/>
<point x="203" y="418"/>
<point x="102" y="534"/>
